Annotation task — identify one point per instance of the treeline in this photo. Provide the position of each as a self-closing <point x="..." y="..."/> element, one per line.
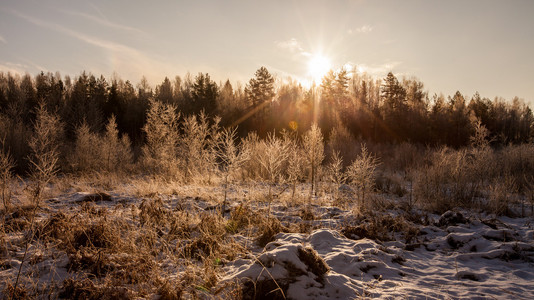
<point x="345" y="105"/>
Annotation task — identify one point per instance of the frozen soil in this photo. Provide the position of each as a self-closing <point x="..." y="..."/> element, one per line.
<point x="176" y="245"/>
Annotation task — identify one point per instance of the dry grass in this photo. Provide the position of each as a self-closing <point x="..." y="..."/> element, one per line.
<point x="120" y="255"/>
<point x="169" y="245"/>
<point x="381" y="227"/>
<point x="478" y="178"/>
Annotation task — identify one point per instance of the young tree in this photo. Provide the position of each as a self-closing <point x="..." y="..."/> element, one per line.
<point x="272" y="160"/>
<point x="231" y="157"/>
<point x="44" y="145"/>
<point x="295" y="161"/>
<point x="86" y="154"/>
<point x="48" y="131"/>
<point x="480" y="138"/>
<point x="334" y="172"/>
<point x="116" y="150"/>
<point x="161" y="130"/>
<point x="314" y="153"/>
<point x="361" y="173"/>
<point x="197" y="146"/>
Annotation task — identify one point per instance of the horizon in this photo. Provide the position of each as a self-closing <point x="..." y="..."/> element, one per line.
<point x="479" y="46"/>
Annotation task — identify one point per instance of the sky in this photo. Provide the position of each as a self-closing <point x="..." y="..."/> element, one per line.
<point x="466" y="46"/>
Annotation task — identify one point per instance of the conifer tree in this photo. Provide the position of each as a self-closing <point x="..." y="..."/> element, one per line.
<point x="260" y="89"/>
<point x="204" y="94"/>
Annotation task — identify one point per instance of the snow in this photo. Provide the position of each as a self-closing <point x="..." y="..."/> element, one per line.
<point x="457" y="255"/>
<point x="469" y="260"/>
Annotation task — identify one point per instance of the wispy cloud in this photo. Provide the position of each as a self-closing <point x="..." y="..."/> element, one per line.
<point x="123" y="59"/>
<point x="3" y="40"/>
<point x="363" y="29"/>
<point x="103" y="21"/>
<point x="78" y="35"/>
<point x="376" y="70"/>
<point x="292" y="45"/>
<point x="96" y="9"/>
<point x="13" y="68"/>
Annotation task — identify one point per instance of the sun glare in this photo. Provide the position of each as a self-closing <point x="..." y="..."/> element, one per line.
<point x="318" y="66"/>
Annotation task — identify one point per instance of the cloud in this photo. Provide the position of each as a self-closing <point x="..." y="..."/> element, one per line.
<point x="292" y="45"/>
<point x="103" y="21"/>
<point x="376" y="70"/>
<point x="78" y="35"/>
<point x="13" y="68"/>
<point x="3" y="40"/>
<point x="363" y="29"/>
<point x="120" y="57"/>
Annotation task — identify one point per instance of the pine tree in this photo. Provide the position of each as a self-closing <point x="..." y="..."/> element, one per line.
<point x="259" y="93"/>
<point x="260" y="89"/>
<point x="393" y="94"/>
<point x="164" y="92"/>
<point x="204" y="94"/>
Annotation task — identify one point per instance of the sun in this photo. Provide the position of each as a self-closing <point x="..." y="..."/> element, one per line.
<point x="318" y="66"/>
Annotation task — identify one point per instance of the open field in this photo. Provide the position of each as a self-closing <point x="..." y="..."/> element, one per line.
<point x="144" y="239"/>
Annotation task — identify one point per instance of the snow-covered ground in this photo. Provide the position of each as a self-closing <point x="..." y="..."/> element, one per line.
<point x="470" y="260"/>
<point x="338" y="254"/>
